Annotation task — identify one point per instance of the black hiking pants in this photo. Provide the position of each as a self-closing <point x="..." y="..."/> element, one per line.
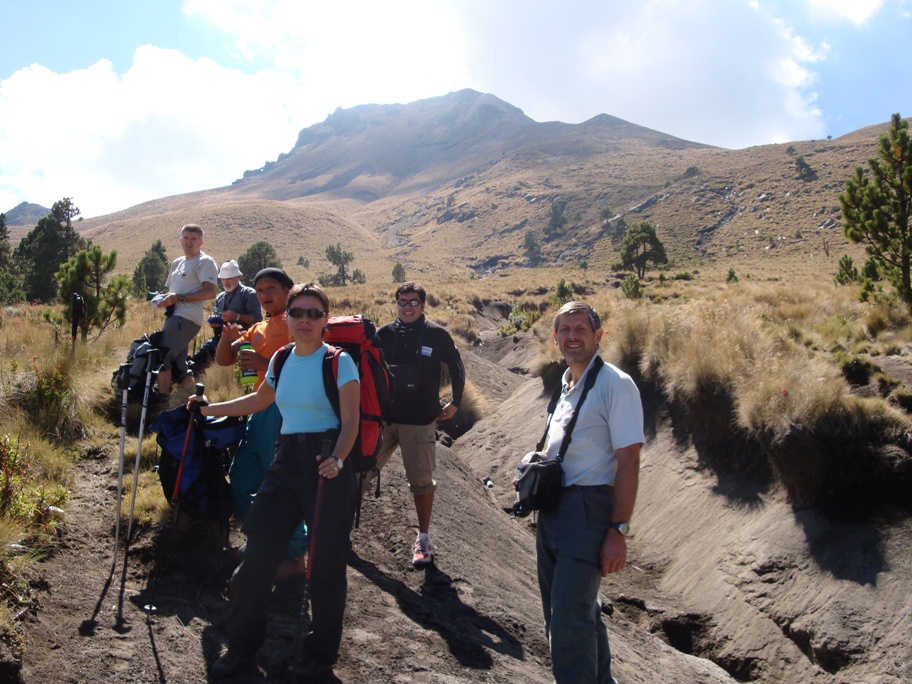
<point x="286" y="497"/>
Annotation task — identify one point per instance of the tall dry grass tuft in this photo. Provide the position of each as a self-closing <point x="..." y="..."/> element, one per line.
<point x="473" y="408"/>
<point x="704" y="347"/>
<point x="465" y="327"/>
<point x="628" y="328"/>
<point x="739" y="367"/>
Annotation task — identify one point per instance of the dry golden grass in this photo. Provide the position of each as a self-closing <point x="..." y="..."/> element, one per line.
<point x="765" y="343"/>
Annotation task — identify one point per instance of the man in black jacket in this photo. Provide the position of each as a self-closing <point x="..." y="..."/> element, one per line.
<point x="416" y="349"/>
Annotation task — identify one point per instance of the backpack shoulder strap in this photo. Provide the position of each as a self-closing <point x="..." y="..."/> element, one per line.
<point x="280" y="361"/>
<point x="331" y="377"/>
<point x="555" y="397"/>
<point x="591" y="377"/>
<point x="588" y="384"/>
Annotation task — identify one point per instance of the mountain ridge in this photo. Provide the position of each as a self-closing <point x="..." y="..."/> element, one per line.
<point x="462" y="178"/>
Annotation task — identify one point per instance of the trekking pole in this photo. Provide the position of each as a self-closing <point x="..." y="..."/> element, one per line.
<point x="311" y="548"/>
<point x="150" y="362"/>
<point x="180" y="468"/>
<point x="125" y="386"/>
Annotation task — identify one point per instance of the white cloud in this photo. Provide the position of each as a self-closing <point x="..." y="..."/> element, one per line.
<point x="168" y="125"/>
<point x="723" y="73"/>
<point x="349" y="53"/>
<point x="858" y="12"/>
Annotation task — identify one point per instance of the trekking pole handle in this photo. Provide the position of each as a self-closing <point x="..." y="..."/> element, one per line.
<point x="200" y="390"/>
<point x="124" y="376"/>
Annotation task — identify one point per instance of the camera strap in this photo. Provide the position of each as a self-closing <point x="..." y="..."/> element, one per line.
<point x="588" y="384"/>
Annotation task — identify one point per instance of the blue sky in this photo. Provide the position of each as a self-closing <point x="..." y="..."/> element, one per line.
<point x="114" y="103"/>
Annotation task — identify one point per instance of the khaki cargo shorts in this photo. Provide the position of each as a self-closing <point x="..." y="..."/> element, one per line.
<point x="418" y="444"/>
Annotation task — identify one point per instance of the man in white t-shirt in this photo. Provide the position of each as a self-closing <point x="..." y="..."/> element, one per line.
<point x="191" y="282"/>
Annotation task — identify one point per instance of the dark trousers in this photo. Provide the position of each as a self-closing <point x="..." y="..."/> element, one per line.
<point x="286" y="497"/>
<point x="568" y="545"/>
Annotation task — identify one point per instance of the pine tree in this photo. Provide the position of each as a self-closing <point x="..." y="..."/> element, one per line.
<point x="876" y="208"/>
<point x="49" y="245"/>
<point x="10" y="290"/>
<point x="152" y="270"/>
<point x="89" y="274"/>
<point x="258" y="256"/>
<point x="641" y="248"/>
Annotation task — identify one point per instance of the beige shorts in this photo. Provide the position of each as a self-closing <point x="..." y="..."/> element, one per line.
<point x="418" y="444"/>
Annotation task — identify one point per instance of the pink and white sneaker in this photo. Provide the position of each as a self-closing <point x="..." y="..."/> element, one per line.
<point x="423" y="553"/>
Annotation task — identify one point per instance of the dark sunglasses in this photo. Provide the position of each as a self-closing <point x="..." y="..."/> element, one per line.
<point x="312" y="313"/>
<point x="409" y="302"/>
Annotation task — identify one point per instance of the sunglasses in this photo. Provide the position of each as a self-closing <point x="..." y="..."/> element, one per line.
<point x="414" y="303"/>
<point x="312" y="313"/>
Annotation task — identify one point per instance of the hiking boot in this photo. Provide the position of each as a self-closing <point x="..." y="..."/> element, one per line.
<point x="228" y="665"/>
<point x="308" y="671"/>
<point x="422" y="553"/>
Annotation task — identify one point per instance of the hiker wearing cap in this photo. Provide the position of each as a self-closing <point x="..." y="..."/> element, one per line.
<point x="191" y="281"/>
<point x="237" y="303"/>
<point x="256" y="451"/>
<point x="416" y="350"/>
<point x="585" y="537"/>
<point x="306" y="481"/>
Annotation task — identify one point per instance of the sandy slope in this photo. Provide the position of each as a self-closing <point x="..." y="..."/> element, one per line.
<point x="734" y="574"/>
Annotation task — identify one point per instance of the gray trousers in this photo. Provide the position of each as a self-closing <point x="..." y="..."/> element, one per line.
<point x="568" y="542"/>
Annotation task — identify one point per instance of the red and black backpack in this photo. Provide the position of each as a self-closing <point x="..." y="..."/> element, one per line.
<point x="356" y="335"/>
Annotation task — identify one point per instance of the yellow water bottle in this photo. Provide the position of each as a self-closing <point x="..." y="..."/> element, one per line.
<point x="248" y="377"/>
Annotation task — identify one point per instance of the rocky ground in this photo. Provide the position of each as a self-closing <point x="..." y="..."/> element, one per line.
<point x="726" y="582"/>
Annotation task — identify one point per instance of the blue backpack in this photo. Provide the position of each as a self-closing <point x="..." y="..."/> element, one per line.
<point x="202" y="489"/>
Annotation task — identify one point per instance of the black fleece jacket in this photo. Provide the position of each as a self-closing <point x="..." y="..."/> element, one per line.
<point x="430" y="346"/>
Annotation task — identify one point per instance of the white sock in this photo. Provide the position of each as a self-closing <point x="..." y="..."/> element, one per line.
<point x="424" y="537"/>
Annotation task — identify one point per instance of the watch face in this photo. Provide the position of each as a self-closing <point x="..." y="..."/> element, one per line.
<point x="623" y="528"/>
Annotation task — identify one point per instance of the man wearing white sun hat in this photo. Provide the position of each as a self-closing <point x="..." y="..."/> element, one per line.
<point x="237" y="303"/>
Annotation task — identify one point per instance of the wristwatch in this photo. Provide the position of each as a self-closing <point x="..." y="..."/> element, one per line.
<point x="339" y="462"/>
<point x="621" y="527"/>
<point x="182" y="299"/>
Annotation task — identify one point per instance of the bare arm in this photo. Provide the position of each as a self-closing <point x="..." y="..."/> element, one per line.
<point x="614" y="548"/>
<point x="240" y="406"/>
<point x="207" y="292"/>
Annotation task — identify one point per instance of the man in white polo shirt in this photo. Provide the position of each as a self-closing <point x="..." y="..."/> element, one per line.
<point x="585" y="537"/>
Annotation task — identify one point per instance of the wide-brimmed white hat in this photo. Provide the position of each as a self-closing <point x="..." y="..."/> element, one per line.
<point x="230" y="269"/>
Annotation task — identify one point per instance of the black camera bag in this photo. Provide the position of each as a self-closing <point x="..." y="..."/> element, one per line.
<point x="539" y="482"/>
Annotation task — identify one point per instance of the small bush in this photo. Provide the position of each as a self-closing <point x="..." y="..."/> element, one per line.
<point x="521" y="318"/>
<point x="563" y="293"/>
<point x="847" y="273"/>
<point x="631" y="287"/>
